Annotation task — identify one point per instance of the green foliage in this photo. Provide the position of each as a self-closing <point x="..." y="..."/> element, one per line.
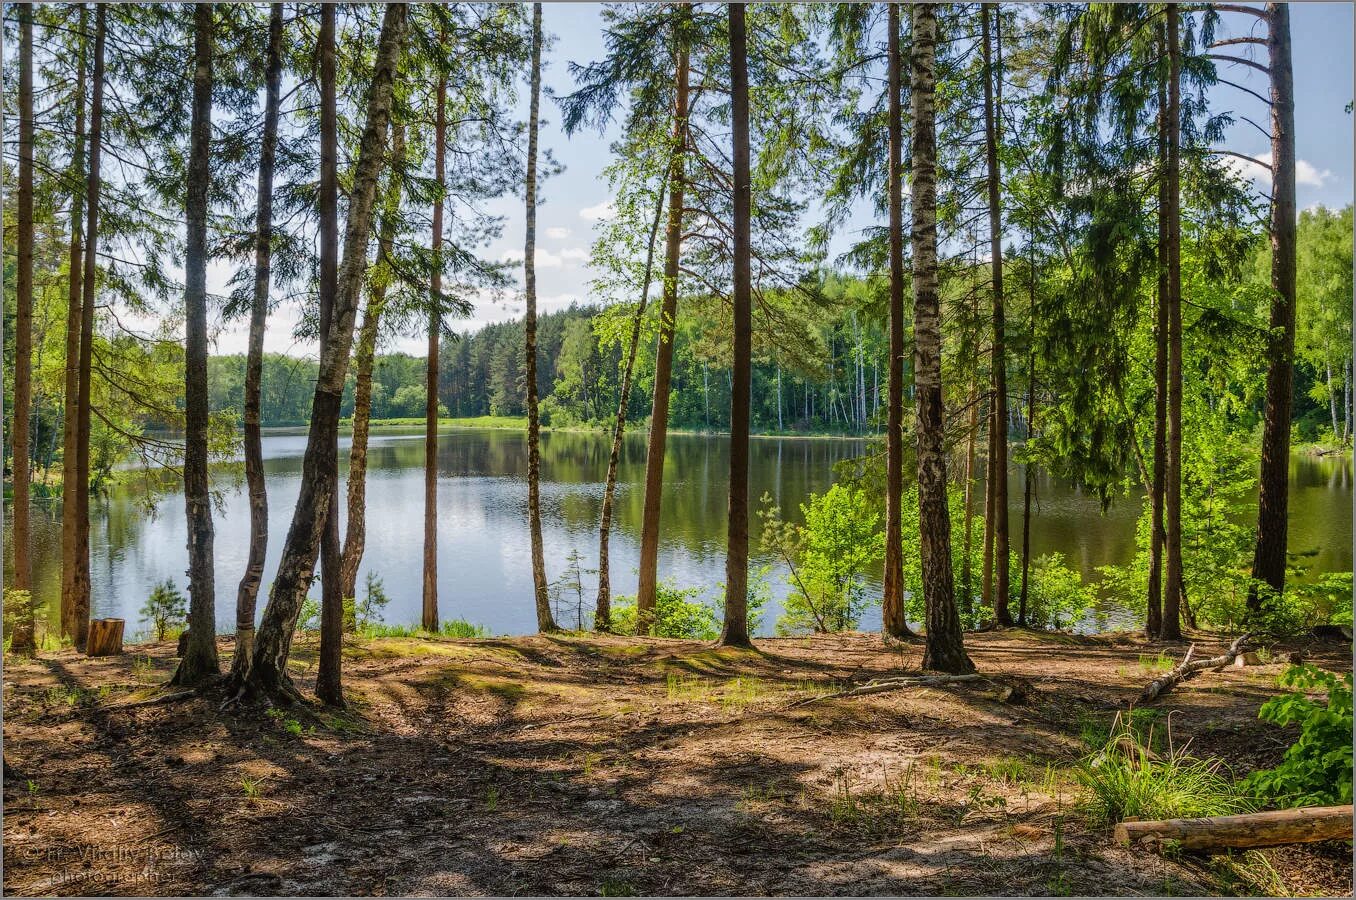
<point x="679" y="613"/>
<point x="369" y="608"/>
<point x="166" y="609"/>
<point x="1126" y="778"/>
<point x="827" y="558"/>
<point x="1057" y="596"/>
<point x="1316" y="770"/>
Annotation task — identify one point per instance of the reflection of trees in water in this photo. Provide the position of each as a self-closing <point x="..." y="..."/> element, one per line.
<point x="132" y="544"/>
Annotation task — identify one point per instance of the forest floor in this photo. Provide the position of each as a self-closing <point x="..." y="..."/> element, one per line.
<point x="595" y="765"/>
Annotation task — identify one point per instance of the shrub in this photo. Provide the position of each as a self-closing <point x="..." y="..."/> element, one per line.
<point x="827" y="558"/>
<point x="367" y="609"/>
<point x="1057" y="596"/>
<point x="1316" y="770"/>
<point x="1126" y="778"/>
<point x="166" y="609"/>
<point x="678" y="613"/>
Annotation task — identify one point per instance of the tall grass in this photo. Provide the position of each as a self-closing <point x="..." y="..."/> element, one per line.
<point x="456" y="628"/>
<point x="1128" y="779"/>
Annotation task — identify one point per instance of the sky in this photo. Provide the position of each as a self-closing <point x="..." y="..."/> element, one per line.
<point x="575" y="200"/>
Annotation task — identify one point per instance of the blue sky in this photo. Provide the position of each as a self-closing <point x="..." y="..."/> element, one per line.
<point x="573" y="201"/>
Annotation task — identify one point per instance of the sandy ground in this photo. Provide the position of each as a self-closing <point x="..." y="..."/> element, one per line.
<point x="587" y="766"/>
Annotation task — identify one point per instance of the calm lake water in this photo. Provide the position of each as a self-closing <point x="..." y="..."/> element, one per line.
<point x="484" y="565"/>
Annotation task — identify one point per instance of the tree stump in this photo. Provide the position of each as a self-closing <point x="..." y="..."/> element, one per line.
<point x="105" y="637"/>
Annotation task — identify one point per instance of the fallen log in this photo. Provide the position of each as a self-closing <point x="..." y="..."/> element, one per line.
<point x="1265" y="829"/>
<point x="1188" y="669"/>
<point x="881" y="685"/>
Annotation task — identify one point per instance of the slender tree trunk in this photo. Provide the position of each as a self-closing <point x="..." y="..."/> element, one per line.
<point x="1157" y="534"/>
<point x="1346" y="406"/>
<point x="967" y="597"/>
<point x="602" y="616"/>
<point x="663" y="364"/>
<point x="70" y="507"/>
<point x="1332" y="401"/>
<point x="21" y="640"/>
<point x="1028" y="473"/>
<point x="248" y="592"/>
<point x="355" y="536"/>
<point x="80" y="603"/>
<point x="1172" y="627"/>
<point x="545" y="621"/>
<point x="892" y="602"/>
<point x="736" y="629"/>
<point x="329" y="673"/>
<point x="200" y="659"/>
<point x="986" y="578"/>
<point x="1268" y="561"/>
<point x="267" y="673"/>
<point x="993" y="68"/>
<point x="435" y="325"/>
<point x="944" y="651"/>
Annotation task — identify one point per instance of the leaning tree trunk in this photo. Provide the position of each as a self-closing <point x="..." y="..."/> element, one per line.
<point x="1268" y="561"/>
<point x="71" y="400"/>
<point x="364" y="355"/>
<point x="892" y="603"/>
<point x="602" y="616"/>
<point x="248" y="592"/>
<point x="992" y="74"/>
<point x="329" y="678"/>
<point x="267" y="673"/>
<point x="21" y="640"/>
<point x="80" y="601"/>
<point x="735" y="632"/>
<point x="545" y="621"/>
<point x="944" y="650"/>
<point x="429" y="615"/>
<point x="1172" y="507"/>
<point x="1153" y="624"/>
<point x="200" y="659"/>
<point x="646" y="590"/>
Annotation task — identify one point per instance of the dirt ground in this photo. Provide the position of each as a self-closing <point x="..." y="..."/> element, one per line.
<point x="591" y="765"/>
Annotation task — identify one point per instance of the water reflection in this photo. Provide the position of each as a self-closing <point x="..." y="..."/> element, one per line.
<point x="484" y="567"/>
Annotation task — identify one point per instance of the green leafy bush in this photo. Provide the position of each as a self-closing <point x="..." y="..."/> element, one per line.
<point x="1316" y="771"/>
<point x="1057" y="596"/>
<point x="166" y="610"/>
<point x="827" y="558"/>
<point x="679" y="613"/>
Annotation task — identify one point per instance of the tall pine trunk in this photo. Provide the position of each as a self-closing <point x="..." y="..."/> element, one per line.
<point x="364" y="356"/>
<point x="329" y="678"/>
<point x="80" y="601"/>
<point x="1157" y="537"/>
<point x="267" y="674"/>
<point x="1029" y="469"/>
<point x="21" y="640"/>
<point x="248" y="593"/>
<point x="200" y="658"/>
<point x="429" y="616"/>
<point x="70" y="508"/>
<point x="735" y="631"/>
<point x="602" y="616"/>
<point x="892" y="603"/>
<point x="545" y="621"/>
<point x="1172" y="507"/>
<point x="992" y="98"/>
<point x="646" y="590"/>
<point x="1268" y="561"/>
<point x="944" y="650"/>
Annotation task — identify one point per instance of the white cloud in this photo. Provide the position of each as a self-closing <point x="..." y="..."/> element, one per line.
<point x="598" y="212"/>
<point x="1306" y="173"/>
<point x="558" y="233"/>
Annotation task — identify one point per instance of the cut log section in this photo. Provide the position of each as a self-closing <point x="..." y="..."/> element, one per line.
<point x="105" y="637"/>
<point x="1188" y="669"/>
<point x="1265" y="829"/>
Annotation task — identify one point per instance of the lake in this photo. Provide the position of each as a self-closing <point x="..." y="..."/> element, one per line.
<point x="484" y="562"/>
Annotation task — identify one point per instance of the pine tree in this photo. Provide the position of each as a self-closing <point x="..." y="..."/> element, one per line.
<point x="200" y="659"/>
